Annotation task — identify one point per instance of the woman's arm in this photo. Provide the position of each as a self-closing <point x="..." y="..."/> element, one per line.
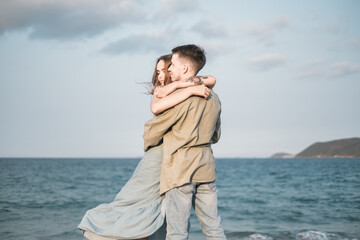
<point x="208" y="81"/>
<point x="159" y="105"/>
<point x="160" y="92"/>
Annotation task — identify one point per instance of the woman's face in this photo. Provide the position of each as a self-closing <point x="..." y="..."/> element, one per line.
<point x="160" y="71"/>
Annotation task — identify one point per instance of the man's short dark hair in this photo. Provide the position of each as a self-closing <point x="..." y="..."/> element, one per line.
<point x="193" y="53"/>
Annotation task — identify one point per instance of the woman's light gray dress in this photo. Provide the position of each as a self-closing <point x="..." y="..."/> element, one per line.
<point x="136" y="211"/>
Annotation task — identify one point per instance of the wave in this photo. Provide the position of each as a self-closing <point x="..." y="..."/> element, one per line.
<point x="303" y="235"/>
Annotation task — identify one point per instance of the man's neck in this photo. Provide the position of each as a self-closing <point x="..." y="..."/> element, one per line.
<point x="186" y="77"/>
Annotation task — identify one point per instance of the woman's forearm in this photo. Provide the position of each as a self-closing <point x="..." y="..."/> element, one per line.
<point x="208" y="81"/>
<point x="159" y="105"/>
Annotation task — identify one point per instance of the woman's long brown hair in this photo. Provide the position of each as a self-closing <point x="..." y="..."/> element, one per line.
<point x="155" y="82"/>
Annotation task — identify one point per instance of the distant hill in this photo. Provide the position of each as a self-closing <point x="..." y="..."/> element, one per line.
<point x="338" y="148"/>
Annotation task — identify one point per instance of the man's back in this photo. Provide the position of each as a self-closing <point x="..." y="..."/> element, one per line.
<point x="194" y="125"/>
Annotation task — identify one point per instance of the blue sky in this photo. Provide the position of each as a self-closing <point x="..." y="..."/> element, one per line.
<point x="288" y="72"/>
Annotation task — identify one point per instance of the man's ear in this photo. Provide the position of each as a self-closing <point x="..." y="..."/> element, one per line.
<point x="185" y="68"/>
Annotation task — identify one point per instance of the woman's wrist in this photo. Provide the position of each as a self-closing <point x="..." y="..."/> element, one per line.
<point x="199" y="81"/>
<point x="195" y="80"/>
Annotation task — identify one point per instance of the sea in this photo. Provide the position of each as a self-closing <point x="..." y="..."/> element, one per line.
<point x="259" y="199"/>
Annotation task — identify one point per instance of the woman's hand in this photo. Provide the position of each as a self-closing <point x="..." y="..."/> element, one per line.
<point x="159" y="91"/>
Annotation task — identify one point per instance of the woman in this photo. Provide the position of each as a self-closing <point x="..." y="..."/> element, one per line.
<point x="137" y="210"/>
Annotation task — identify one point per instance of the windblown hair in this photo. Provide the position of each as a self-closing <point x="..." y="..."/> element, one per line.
<point x="193" y="53"/>
<point x="155" y="81"/>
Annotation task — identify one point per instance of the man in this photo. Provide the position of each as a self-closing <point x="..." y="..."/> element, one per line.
<point x="188" y="169"/>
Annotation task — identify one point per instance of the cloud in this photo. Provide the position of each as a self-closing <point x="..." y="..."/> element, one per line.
<point x="170" y="8"/>
<point x="343" y="69"/>
<point x="354" y="43"/>
<point x="313" y="68"/>
<point x="210" y="29"/>
<point x="267" y="61"/>
<point x="58" y="19"/>
<point x="215" y="49"/>
<point x="321" y="69"/>
<point x="332" y="28"/>
<point x="266" y="30"/>
<point x="162" y="41"/>
<point x="145" y="42"/>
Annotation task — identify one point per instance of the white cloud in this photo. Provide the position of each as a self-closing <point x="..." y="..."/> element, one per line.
<point x="313" y="68"/>
<point x="267" y="61"/>
<point x="210" y="29"/>
<point x="265" y="31"/>
<point x="321" y="69"/>
<point x="215" y="49"/>
<point x="163" y="40"/>
<point x="332" y="28"/>
<point x="145" y="42"/>
<point x="343" y="69"/>
<point x="169" y="8"/>
<point x="58" y="19"/>
<point x="355" y="43"/>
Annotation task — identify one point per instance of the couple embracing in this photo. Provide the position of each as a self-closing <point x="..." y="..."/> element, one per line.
<point x="178" y="168"/>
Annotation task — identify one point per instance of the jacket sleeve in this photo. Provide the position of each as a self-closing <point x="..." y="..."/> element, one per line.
<point x="159" y="125"/>
<point x="216" y="136"/>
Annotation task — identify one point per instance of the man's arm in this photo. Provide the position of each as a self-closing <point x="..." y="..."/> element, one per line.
<point x="159" y="125"/>
<point x="216" y="136"/>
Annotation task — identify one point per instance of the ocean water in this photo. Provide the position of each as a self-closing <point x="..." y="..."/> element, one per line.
<point x="259" y="199"/>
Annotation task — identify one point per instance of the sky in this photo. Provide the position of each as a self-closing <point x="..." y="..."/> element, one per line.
<point x="72" y="72"/>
